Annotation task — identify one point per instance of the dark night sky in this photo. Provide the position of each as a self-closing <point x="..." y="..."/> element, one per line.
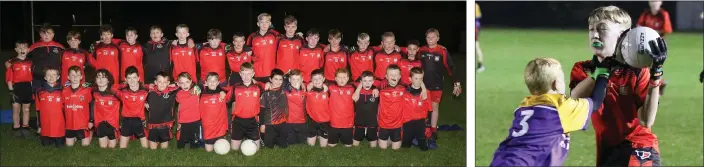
<point x="408" y="20"/>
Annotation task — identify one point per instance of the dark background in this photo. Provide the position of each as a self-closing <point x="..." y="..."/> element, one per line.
<point x="408" y="20"/>
<point x="556" y="14"/>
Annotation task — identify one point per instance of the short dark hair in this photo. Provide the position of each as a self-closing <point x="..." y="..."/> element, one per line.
<point x="47" y="69"/>
<point x="393" y="67"/>
<point x="334" y="33"/>
<point x="367" y="74"/>
<point x="294" y="72"/>
<point x="76" y="69"/>
<point x="21" y="42"/>
<point x="106" y="74"/>
<point x="214" y="34"/>
<point x="212" y="74"/>
<point x="185" y="75"/>
<point x="73" y="34"/>
<point x="156" y="27"/>
<point x="413" y="42"/>
<point x="130" y="29"/>
<point x="238" y="35"/>
<point x="290" y="19"/>
<point x="416" y="70"/>
<point x="312" y="32"/>
<point x="316" y="72"/>
<point x="131" y="70"/>
<point x="46" y="27"/>
<point x="162" y="74"/>
<point x="276" y="72"/>
<point x="105" y="28"/>
<point x="246" y="66"/>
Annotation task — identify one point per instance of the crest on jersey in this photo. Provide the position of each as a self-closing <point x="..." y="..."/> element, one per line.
<point x="372" y="99"/>
<point x="623" y="90"/>
<point x="437" y="59"/>
<point x="81" y="98"/>
<point x="348" y="92"/>
<point x="165" y="96"/>
<point x="141" y="98"/>
<point x="110" y="102"/>
<point x="56" y="50"/>
<point x="134" y="51"/>
<point x="255" y="93"/>
<point x="159" y="46"/>
<point x="112" y="52"/>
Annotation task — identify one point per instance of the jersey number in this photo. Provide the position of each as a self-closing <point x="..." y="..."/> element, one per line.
<point x="524" y="123"/>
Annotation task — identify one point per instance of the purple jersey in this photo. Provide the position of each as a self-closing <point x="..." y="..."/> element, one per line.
<point x="539" y="133"/>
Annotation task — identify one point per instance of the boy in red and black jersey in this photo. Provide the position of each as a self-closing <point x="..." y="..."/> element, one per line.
<point x="366" y="107"/>
<point x="410" y="60"/>
<point x="77" y="105"/>
<point x="245" y="108"/>
<point x="18" y="77"/>
<point x="237" y="54"/>
<point x="213" y="108"/>
<point x="132" y="54"/>
<point x="50" y="102"/>
<point x="133" y="97"/>
<point x="416" y="111"/>
<point x="361" y="59"/>
<point x="289" y="45"/>
<point x="311" y="55"/>
<point x="317" y="107"/>
<point x="263" y="43"/>
<point x="341" y="109"/>
<point x="106" y="109"/>
<point x="212" y="56"/>
<point x="73" y="56"/>
<point x="656" y="18"/>
<point x="387" y="56"/>
<point x="336" y="58"/>
<point x="45" y="53"/>
<point x="161" y="100"/>
<point x="189" y="118"/>
<point x="106" y="54"/>
<point x="274" y="112"/>
<point x="296" y="97"/>
<point x="183" y="55"/>
<point x="391" y="103"/>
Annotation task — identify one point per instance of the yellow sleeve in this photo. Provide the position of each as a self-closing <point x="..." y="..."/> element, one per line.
<point x="574" y="114"/>
<point x="477" y="12"/>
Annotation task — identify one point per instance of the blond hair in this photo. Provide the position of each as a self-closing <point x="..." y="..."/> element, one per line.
<point x="263" y="16"/>
<point x="540" y="73"/>
<point x="363" y="36"/>
<point x="610" y="13"/>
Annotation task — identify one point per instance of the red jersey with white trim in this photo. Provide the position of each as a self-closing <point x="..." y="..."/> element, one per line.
<point x="77" y="107"/>
<point x="131" y="56"/>
<point x="264" y="50"/>
<point x="287" y="55"/>
<point x="20" y="71"/>
<point x="184" y="60"/>
<point x="415" y="108"/>
<point x="212" y="60"/>
<point x="247" y="102"/>
<point x="106" y="107"/>
<point x="133" y="102"/>
<point x="317" y="103"/>
<point x="333" y="61"/>
<point x="361" y="61"/>
<point x="391" y="104"/>
<point x="213" y="113"/>
<point x="406" y="66"/>
<point x="296" y="105"/>
<point x="188" y="106"/>
<point x="235" y="59"/>
<point x="106" y="56"/>
<point x="383" y="60"/>
<point x="311" y="59"/>
<point x="51" y="106"/>
<point x="341" y="106"/>
<point x="618" y="119"/>
<point x="73" y="57"/>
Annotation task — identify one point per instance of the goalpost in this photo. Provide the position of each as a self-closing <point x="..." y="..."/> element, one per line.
<point x="33" y="25"/>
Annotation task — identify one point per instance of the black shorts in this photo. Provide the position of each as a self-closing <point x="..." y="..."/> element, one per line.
<point x="132" y="126"/>
<point x="160" y="134"/>
<point x="297" y="133"/>
<point x="626" y="155"/>
<point x="318" y="129"/>
<point x="22" y="93"/>
<point x="276" y="135"/>
<point x="78" y="134"/>
<point x="235" y="78"/>
<point x="414" y="129"/>
<point x="190" y="132"/>
<point x="370" y="133"/>
<point x="213" y="140"/>
<point x="393" y="134"/>
<point x="245" y="128"/>
<point x="106" y="130"/>
<point x="48" y="141"/>
<point x="341" y="134"/>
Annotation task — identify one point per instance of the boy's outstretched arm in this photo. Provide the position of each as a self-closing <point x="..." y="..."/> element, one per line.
<point x="646" y="114"/>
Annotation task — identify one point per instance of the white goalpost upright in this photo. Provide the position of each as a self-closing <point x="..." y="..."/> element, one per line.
<point x="34" y="25"/>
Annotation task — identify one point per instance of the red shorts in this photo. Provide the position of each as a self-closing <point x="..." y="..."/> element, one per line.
<point x="435" y="95"/>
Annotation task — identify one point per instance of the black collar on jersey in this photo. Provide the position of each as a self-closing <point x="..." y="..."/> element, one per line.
<point x="414" y="91"/>
<point x="49" y="88"/>
<point x="317" y="89"/>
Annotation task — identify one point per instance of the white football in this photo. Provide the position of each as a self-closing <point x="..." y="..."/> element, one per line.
<point x="221" y="146"/>
<point x="635" y="47"/>
<point x="248" y="148"/>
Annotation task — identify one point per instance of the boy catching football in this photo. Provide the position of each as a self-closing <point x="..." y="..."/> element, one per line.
<point x="623" y="126"/>
<point x="539" y="135"/>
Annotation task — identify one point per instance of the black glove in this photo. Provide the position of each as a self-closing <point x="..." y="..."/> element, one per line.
<point x="658" y="52"/>
<point x="701" y="77"/>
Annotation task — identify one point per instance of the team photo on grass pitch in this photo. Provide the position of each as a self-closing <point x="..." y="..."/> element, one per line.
<point x="273" y="93"/>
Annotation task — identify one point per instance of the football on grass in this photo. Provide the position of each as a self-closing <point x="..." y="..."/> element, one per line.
<point x="221" y="146"/>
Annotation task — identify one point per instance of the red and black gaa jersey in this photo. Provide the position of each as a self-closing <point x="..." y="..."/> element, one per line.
<point x="73" y="57"/>
<point x="391" y="104"/>
<point x="212" y="60"/>
<point x="296" y="105"/>
<point x="19" y="71"/>
<point x="333" y="61"/>
<point x="213" y="112"/>
<point x="406" y="66"/>
<point x="264" y="50"/>
<point x="106" y="56"/>
<point x="247" y="102"/>
<point x="361" y="61"/>
<point x="188" y="106"/>
<point x="133" y="102"/>
<point x="235" y="59"/>
<point x="317" y="105"/>
<point x="287" y="55"/>
<point x="106" y="107"/>
<point x="341" y="106"/>
<point x="311" y="59"/>
<point x="51" y="104"/>
<point x="132" y="55"/>
<point x="184" y="60"/>
<point x="383" y="60"/>
<point x="77" y="107"/>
